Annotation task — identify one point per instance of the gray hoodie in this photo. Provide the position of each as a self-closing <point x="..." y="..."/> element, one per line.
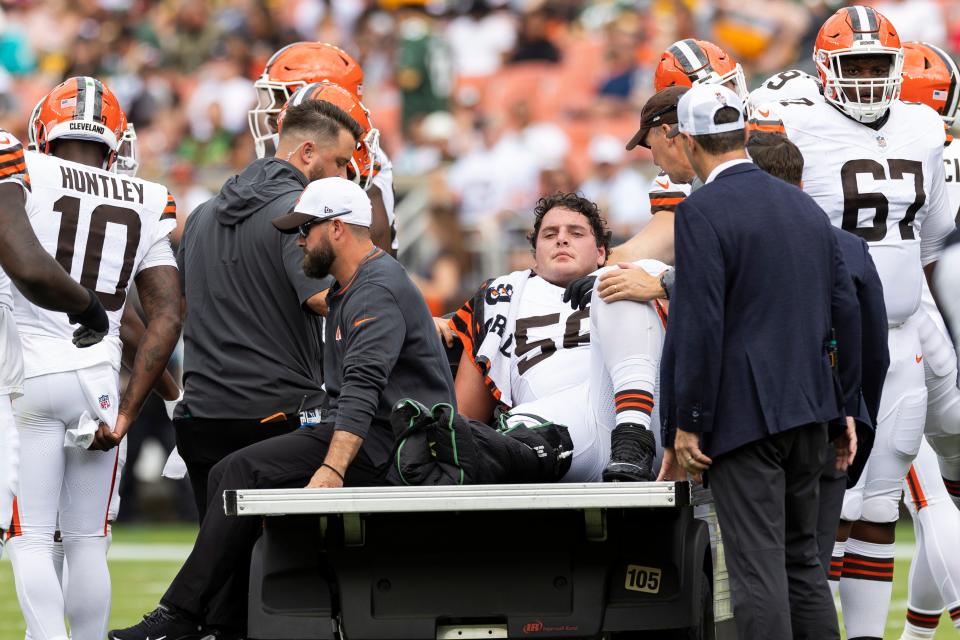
<point x="251" y="347"/>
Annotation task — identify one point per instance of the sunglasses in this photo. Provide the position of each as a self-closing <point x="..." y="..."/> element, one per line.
<point x="304" y="229"/>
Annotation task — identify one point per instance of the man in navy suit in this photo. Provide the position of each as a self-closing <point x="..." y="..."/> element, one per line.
<point x="762" y="297"/>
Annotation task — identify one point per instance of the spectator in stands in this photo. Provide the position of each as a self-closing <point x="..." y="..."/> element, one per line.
<point x="619" y="191"/>
<point x="533" y="41"/>
<point x="424" y="74"/>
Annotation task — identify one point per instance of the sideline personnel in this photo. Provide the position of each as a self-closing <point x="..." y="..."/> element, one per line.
<point x="251" y="344"/>
<point x="760" y="285"/>
<point x="380" y="346"/>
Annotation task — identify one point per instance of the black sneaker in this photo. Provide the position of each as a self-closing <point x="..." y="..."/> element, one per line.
<point x="162" y="623"/>
<point x="633" y="450"/>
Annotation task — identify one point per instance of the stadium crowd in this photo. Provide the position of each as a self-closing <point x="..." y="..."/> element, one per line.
<point x="836" y="379"/>
<point x="460" y="93"/>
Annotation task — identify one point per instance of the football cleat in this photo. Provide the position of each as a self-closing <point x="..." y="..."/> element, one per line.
<point x="633" y="450"/>
<point x="162" y="623"/>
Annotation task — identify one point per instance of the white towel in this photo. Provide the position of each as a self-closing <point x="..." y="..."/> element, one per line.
<point x="80" y="435"/>
<point x="175" y="468"/>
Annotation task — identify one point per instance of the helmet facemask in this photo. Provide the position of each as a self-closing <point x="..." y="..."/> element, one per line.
<point x="262" y="119"/>
<point x="126" y="162"/>
<point x="865" y="100"/>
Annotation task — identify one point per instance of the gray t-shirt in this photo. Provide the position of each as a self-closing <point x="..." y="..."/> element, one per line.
<point x="250" y="344"/>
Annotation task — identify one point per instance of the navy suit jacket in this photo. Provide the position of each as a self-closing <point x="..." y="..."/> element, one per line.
<point x="760" y="282"/>
<point x="875" y="355"/>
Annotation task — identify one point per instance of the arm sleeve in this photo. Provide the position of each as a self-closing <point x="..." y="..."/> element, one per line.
<point x="697" y="319"/>
<point x="13" y="164"/>
<point x="181" y="260"/>
<point x="160" y="254"/>
<point x="374" y="332"/>
<point x="873" y="320"/>
<point x="939" y="221"/>
<point x="305" y="287"/>
<point x="467" y="322"/>
<point x="845" y="319"/>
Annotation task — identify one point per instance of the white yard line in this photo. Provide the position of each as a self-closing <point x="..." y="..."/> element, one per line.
<point x="145" y="552"/>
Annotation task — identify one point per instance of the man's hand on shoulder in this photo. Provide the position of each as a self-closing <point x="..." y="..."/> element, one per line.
<point x="93" y="322"/>
<point x="629" y="282"/>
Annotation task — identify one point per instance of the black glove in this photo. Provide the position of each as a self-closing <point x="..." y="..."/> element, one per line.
<point x="579" y="291"/>
<point x="93" y="322"/>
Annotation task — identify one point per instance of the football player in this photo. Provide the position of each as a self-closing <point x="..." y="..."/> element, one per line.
<point x="875" y="165"/>
<point x="930" y="77"/>
<point x="526" y="352"/>
<point x="104" y="229"/>
<point x="40" y="279"/>
<point x="303" y="63"/>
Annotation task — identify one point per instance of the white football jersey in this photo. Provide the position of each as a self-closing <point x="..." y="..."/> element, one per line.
<point x="951" y="166"/>
<point x="103" y="229"/>
<point x="551" y="349"/>
<point x="13" y="168"/>
<point x="384" y="180"/>
<point x="784" y="85"/>
<point x="886" y="186"/>
<point x="665" y="194"/>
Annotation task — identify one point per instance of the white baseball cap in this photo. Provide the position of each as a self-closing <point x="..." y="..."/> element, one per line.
<point x="698" y="107"/>
<point x="328" y="198"/>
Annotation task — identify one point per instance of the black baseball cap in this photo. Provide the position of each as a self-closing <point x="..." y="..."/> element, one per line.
<point x="661" y="108"/>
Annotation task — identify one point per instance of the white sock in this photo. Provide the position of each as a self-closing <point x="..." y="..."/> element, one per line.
<point x="836" y="566"/>
<point x="630" y="357"/>
<point x="87" y="595"/>
<point x="38" y="587"/>
<point x="866" y="585"/>
<point x="921" y="625"/>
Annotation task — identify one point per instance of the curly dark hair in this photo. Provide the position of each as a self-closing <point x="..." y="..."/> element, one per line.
<point x="572" y="202"/>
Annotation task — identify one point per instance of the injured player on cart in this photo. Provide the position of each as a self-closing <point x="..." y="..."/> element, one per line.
<point x="529" y="355"/>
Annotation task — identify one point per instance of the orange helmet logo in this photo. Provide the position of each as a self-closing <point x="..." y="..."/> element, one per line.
<point x="688" y="62"/>
<point x="853" y="32"/>
<point x="930" y="77"/>
<point x="81" y="108"/>
<point x="364" y="164"/>
<point x="294" y="66"/>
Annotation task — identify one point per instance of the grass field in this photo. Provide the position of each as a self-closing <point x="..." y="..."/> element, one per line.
<point x="145" y="559"/>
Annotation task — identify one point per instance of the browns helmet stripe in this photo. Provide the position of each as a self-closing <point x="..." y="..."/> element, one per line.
<point x="690" y="54"/>
<point x="864" y="22"/>
<point x="952" y="95"/>
<point x="97" y="101"/>
<point x="81" y="105"/>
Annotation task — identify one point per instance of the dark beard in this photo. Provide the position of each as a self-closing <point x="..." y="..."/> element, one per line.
<point x="317" y="263"/>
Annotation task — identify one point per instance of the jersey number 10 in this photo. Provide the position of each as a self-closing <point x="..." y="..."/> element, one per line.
<point x="69" y="209"/>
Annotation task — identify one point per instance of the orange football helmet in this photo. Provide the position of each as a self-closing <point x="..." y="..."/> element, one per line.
<point x="83" y="108"/>
<point x="290" y="68"/>
<point x="930" y="76"/>
<point x="364" y="164"/>
<point x="851" y="32"/>
<point x="688" y="62"/>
